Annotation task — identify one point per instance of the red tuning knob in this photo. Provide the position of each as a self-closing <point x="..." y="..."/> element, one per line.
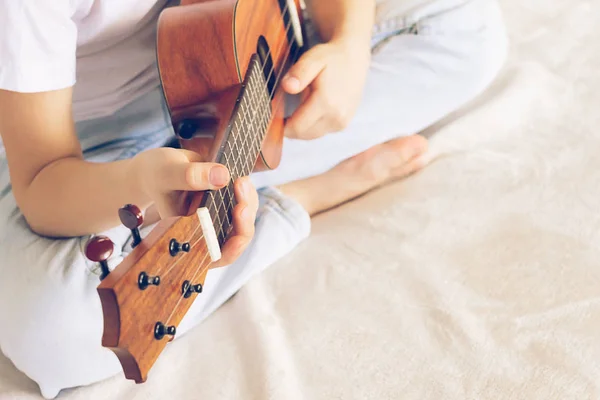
<point x="131" y="216"/>
<point x="99" y="249"/>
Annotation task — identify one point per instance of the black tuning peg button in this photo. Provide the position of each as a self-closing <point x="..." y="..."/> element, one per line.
<point x="131" y="216"/>
<point x="187" y="289"/>
<point x="144" y="280"/>
<point x="175" y="247"/>
<point x="99" y="249"/>
<point x="160" y="330"/>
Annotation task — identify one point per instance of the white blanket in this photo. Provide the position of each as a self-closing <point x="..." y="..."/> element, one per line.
<point x="477" y="278"/>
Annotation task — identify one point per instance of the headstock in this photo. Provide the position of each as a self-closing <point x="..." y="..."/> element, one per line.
<point x="145" y="297"/>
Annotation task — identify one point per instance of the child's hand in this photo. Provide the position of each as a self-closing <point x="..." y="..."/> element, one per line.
<point x="164" y="172"/>
<point x="335" y="73"/>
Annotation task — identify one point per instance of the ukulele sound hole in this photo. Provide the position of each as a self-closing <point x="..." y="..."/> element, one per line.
<point x="266" y="61"/>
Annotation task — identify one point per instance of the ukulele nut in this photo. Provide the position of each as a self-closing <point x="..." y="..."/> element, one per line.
<point x="160" y="330"/>
<point x="144" y="280"/>
<point x="187" y="289"/>
<point x="175" y="247"/>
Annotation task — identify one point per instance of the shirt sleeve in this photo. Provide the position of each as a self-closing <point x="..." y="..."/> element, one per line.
<point x="38" y="44"/>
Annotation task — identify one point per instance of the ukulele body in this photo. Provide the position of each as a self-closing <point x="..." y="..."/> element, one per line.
<point x="204" y="50"/>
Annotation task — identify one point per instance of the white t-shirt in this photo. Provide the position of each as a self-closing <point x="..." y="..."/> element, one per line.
<point x="106" y="48"/>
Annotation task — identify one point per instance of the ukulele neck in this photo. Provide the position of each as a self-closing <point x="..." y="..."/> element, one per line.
<point x="243" y="140"/>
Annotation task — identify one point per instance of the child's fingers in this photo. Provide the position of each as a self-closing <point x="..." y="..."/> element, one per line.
<point x="308" y="67"/>
<point x="193" y="176"/>
<point x="244" y="215"/>
<point x="245" y="212"/>
<point x="307" y="115"/>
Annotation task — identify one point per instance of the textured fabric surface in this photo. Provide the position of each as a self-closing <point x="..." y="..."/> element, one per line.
<point x="476" y="278"/>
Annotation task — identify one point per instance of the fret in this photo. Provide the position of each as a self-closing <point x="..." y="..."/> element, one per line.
<point x="227" y="157"/>
<point x="232" y="170"/>
<point x="229" y="203"/>
<point x="244" y="140"/>
<point x="253" y="94"/>
<point x="222" y="213"/>
<point x="232" y="162"/>
<point x="249" y="132"/>
<point x="257" y="139"/>
<point x="266" y="105"/>
<point x="231" y="166"/>
<point x="235" y="142"/>
<point x="263" y="122"/>
<point x="226" y="196"/>
<point x="235" y="132"/>
<point x="259" y="115"/>
<point x="212" y="210"/>
<point x="258" y="93"/>
<point x="253" y="117"/>
<point x="238" y="150"/>
<point x="242" y="132"/>
<point x="215" y="214"/>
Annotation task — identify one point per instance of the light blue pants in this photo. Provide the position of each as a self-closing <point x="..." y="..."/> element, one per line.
<point x="426" y="65"/>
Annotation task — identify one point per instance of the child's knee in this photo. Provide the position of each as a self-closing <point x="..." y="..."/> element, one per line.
<point x="479" y="41"/>
<point x="495" y="42"/>
<point x="52" y="318"/>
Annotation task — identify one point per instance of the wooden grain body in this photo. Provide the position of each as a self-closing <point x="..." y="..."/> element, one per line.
<point x="195" y="75"/>
<point x="204" y="48"/>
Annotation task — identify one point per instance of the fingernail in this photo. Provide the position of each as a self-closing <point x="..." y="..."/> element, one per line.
<point x="219" y="176"/>
<point x="292" y="83"/>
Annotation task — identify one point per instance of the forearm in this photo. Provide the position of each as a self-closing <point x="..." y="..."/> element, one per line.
<point x="72" y="197"/>
<point x="343" y="19"/>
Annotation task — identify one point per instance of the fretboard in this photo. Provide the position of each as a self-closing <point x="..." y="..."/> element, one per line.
<point x="244" y="137"/>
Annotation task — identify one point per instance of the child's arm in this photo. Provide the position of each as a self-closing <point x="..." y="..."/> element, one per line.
<point x="62" y="195"/>
<point x="332" y="75"/>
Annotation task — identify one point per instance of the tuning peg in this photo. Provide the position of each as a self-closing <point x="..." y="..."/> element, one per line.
<point x="175" y="247"/>
<point x="144" y="280"/>
<point x="160" y="330"/>
<point x="99" y="249"/>
<point x="188" y="289"/>
<point x="131" y="216"/>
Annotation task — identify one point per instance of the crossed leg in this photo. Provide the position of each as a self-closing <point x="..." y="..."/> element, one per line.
<point x="414" y="81"/>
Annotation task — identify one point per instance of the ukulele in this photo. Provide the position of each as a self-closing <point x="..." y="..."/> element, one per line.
<point x="220" y="63"/>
